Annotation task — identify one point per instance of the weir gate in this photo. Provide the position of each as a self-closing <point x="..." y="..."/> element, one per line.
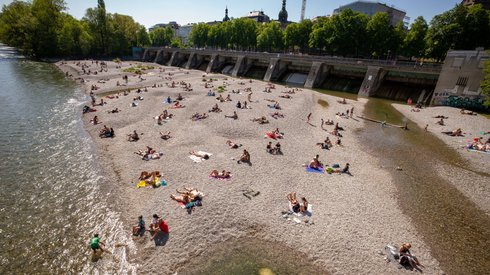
<point x="367" y="77"/>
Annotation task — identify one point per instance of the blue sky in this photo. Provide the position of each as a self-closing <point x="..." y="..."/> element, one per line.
<point x="150" y="12"/>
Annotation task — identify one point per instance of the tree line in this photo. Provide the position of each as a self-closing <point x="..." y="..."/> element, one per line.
<point x="354" y="34"/>
<point x="43" y="28"/>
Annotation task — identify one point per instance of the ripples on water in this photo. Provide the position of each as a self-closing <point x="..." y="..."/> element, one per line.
<point x="50" y="198"/>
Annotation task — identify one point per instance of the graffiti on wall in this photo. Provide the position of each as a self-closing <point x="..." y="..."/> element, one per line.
<point x="465" y="102"/>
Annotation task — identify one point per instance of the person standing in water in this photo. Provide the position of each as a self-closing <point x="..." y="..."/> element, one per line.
<point x="95" y="243"/>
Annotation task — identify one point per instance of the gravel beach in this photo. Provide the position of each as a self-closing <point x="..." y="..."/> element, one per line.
<point x="354" y="217"/>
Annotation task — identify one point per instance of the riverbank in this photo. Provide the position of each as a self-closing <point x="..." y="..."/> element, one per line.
<point x="354" y="217"/>
<point x="470" y="174"/>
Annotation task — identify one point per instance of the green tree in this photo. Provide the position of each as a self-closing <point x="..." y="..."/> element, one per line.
<point x="199" y="35"/>
<point x="73" y="38"/>
<point x="97" y="20"/>
<point x="161" y="36"/>
<point x="142" y="37"/>
<point x="244" y="34"/>
<point x="485" y="84"/>
<point x="270" y="37"/>
<point x="380" y="34"/>
<point x="321" y="33"/>
<point x="47" y="23"/>
<point x="298" y="35"/>
<point x="17" y="26"/>
<point x="348" y="33"/>
<point x="414" y="42"/>
<point x="123" y="35"/>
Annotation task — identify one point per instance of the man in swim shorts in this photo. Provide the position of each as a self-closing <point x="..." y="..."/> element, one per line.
<point x="95" y="243"/>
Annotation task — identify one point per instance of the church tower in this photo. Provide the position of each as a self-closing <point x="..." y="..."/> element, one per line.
<point x="283" y="14"/>
<point x="226" y="18"/>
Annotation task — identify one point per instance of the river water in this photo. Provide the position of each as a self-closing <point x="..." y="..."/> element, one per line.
<point x="52" y="197"/>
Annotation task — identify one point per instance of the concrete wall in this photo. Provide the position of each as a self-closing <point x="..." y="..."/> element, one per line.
<point x="460" y="79"/>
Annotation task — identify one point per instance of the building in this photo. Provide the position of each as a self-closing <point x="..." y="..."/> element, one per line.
<point x="183" y="33"/>
<point x="172" y="24"/>
<point x="226" y="18"/>
<point x="371" y="8"/>
<point x="460" y="80"/>
<point x="484" y="3"/>
<point x="258" y="16"/>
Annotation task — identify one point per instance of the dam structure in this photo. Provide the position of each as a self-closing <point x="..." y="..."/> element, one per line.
<point x="366" y="77"/>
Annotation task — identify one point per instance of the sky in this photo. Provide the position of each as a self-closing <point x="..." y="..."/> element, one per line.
<point x="151" y="12"/>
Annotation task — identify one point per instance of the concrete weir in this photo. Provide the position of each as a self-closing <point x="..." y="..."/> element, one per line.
<point x="380" y="76"/>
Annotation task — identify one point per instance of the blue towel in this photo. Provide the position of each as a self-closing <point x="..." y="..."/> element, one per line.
<point x="311" y="170"/>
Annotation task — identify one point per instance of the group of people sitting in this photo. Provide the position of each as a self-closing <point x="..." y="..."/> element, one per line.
<point x="150" y="178"/>
<point x="239" y="105"/>
<point x="106" y="132"/>
<point x="157" y="226"/>
<point x="220" y="175"/>
<point x="326" y="144"/>
<point x="274" y="150"/>
<point x="215" y="109"/>
<point x="296" y="206"/>
<point x="221" y="99"/>
<point x="479" y="145"/>
<point x="148" y="154"/>
<point x="190" y="197"/>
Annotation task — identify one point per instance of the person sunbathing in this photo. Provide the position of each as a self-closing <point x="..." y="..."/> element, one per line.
<point x="244" y="105"/>
<point x="188" y="195"/>
<point x="454" y="133"/>
<point x="441" y="122"/>
<point x="337" y="127"/>
<point x="234" y="116"/>
<point x="199" y="155"/>
<point x="463" y="112"/>
<point x="228" y="98"/>
<point x="178" y="105"/>
<point x="441" y="116"/>
<point x="296" y="206"/>
<point x="233" y="145"/>
<point x="277" y="115"/>
<point x="223" y="175"/>
<point x="260" y="120"/>
<point x="147" y="175"/>
<point x="165" y="136"/>
<point x="239" y="104"/>
<point x="198" y="116"/>
<point x="134" y="136"/>
<point x="245" y="157"/>
<point x="329" y="122"/>
<point x="343" y="101"/>
<point x="315" y="163"/>
<point x="215" y="109"/>
<point x="180" y="97"/>
<point x="286" y="96"/>
<point x="406" y="258"/>
<point x="113" y="111"/>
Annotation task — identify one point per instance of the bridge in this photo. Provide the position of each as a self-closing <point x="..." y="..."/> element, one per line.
<point x="318" y="69"/>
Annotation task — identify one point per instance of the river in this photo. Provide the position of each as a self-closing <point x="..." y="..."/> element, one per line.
<point x="53" y="197"/>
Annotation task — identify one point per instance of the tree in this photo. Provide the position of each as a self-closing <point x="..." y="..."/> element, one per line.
<point x="97" y="20"/>
<point x="199" y="35"/>
<point x="380" y="34"/>
<point x="348" y="33"/>
<point x="485" y="84"/>
<point x="73" y="38"/>
<point x="47" y="23"/>
<point x="298" y="35"/>
<point x="124" y="33"/>
<point x="244" y="34"/>
<point x="142" y="37"/>
<point x="161" y="37"/>
<point x="322" y="30"/>
<point x="270" y="37"/>
<point x="414" y="42"/>
<point x="460" y="28"/>
<point x="17" y="26"/>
